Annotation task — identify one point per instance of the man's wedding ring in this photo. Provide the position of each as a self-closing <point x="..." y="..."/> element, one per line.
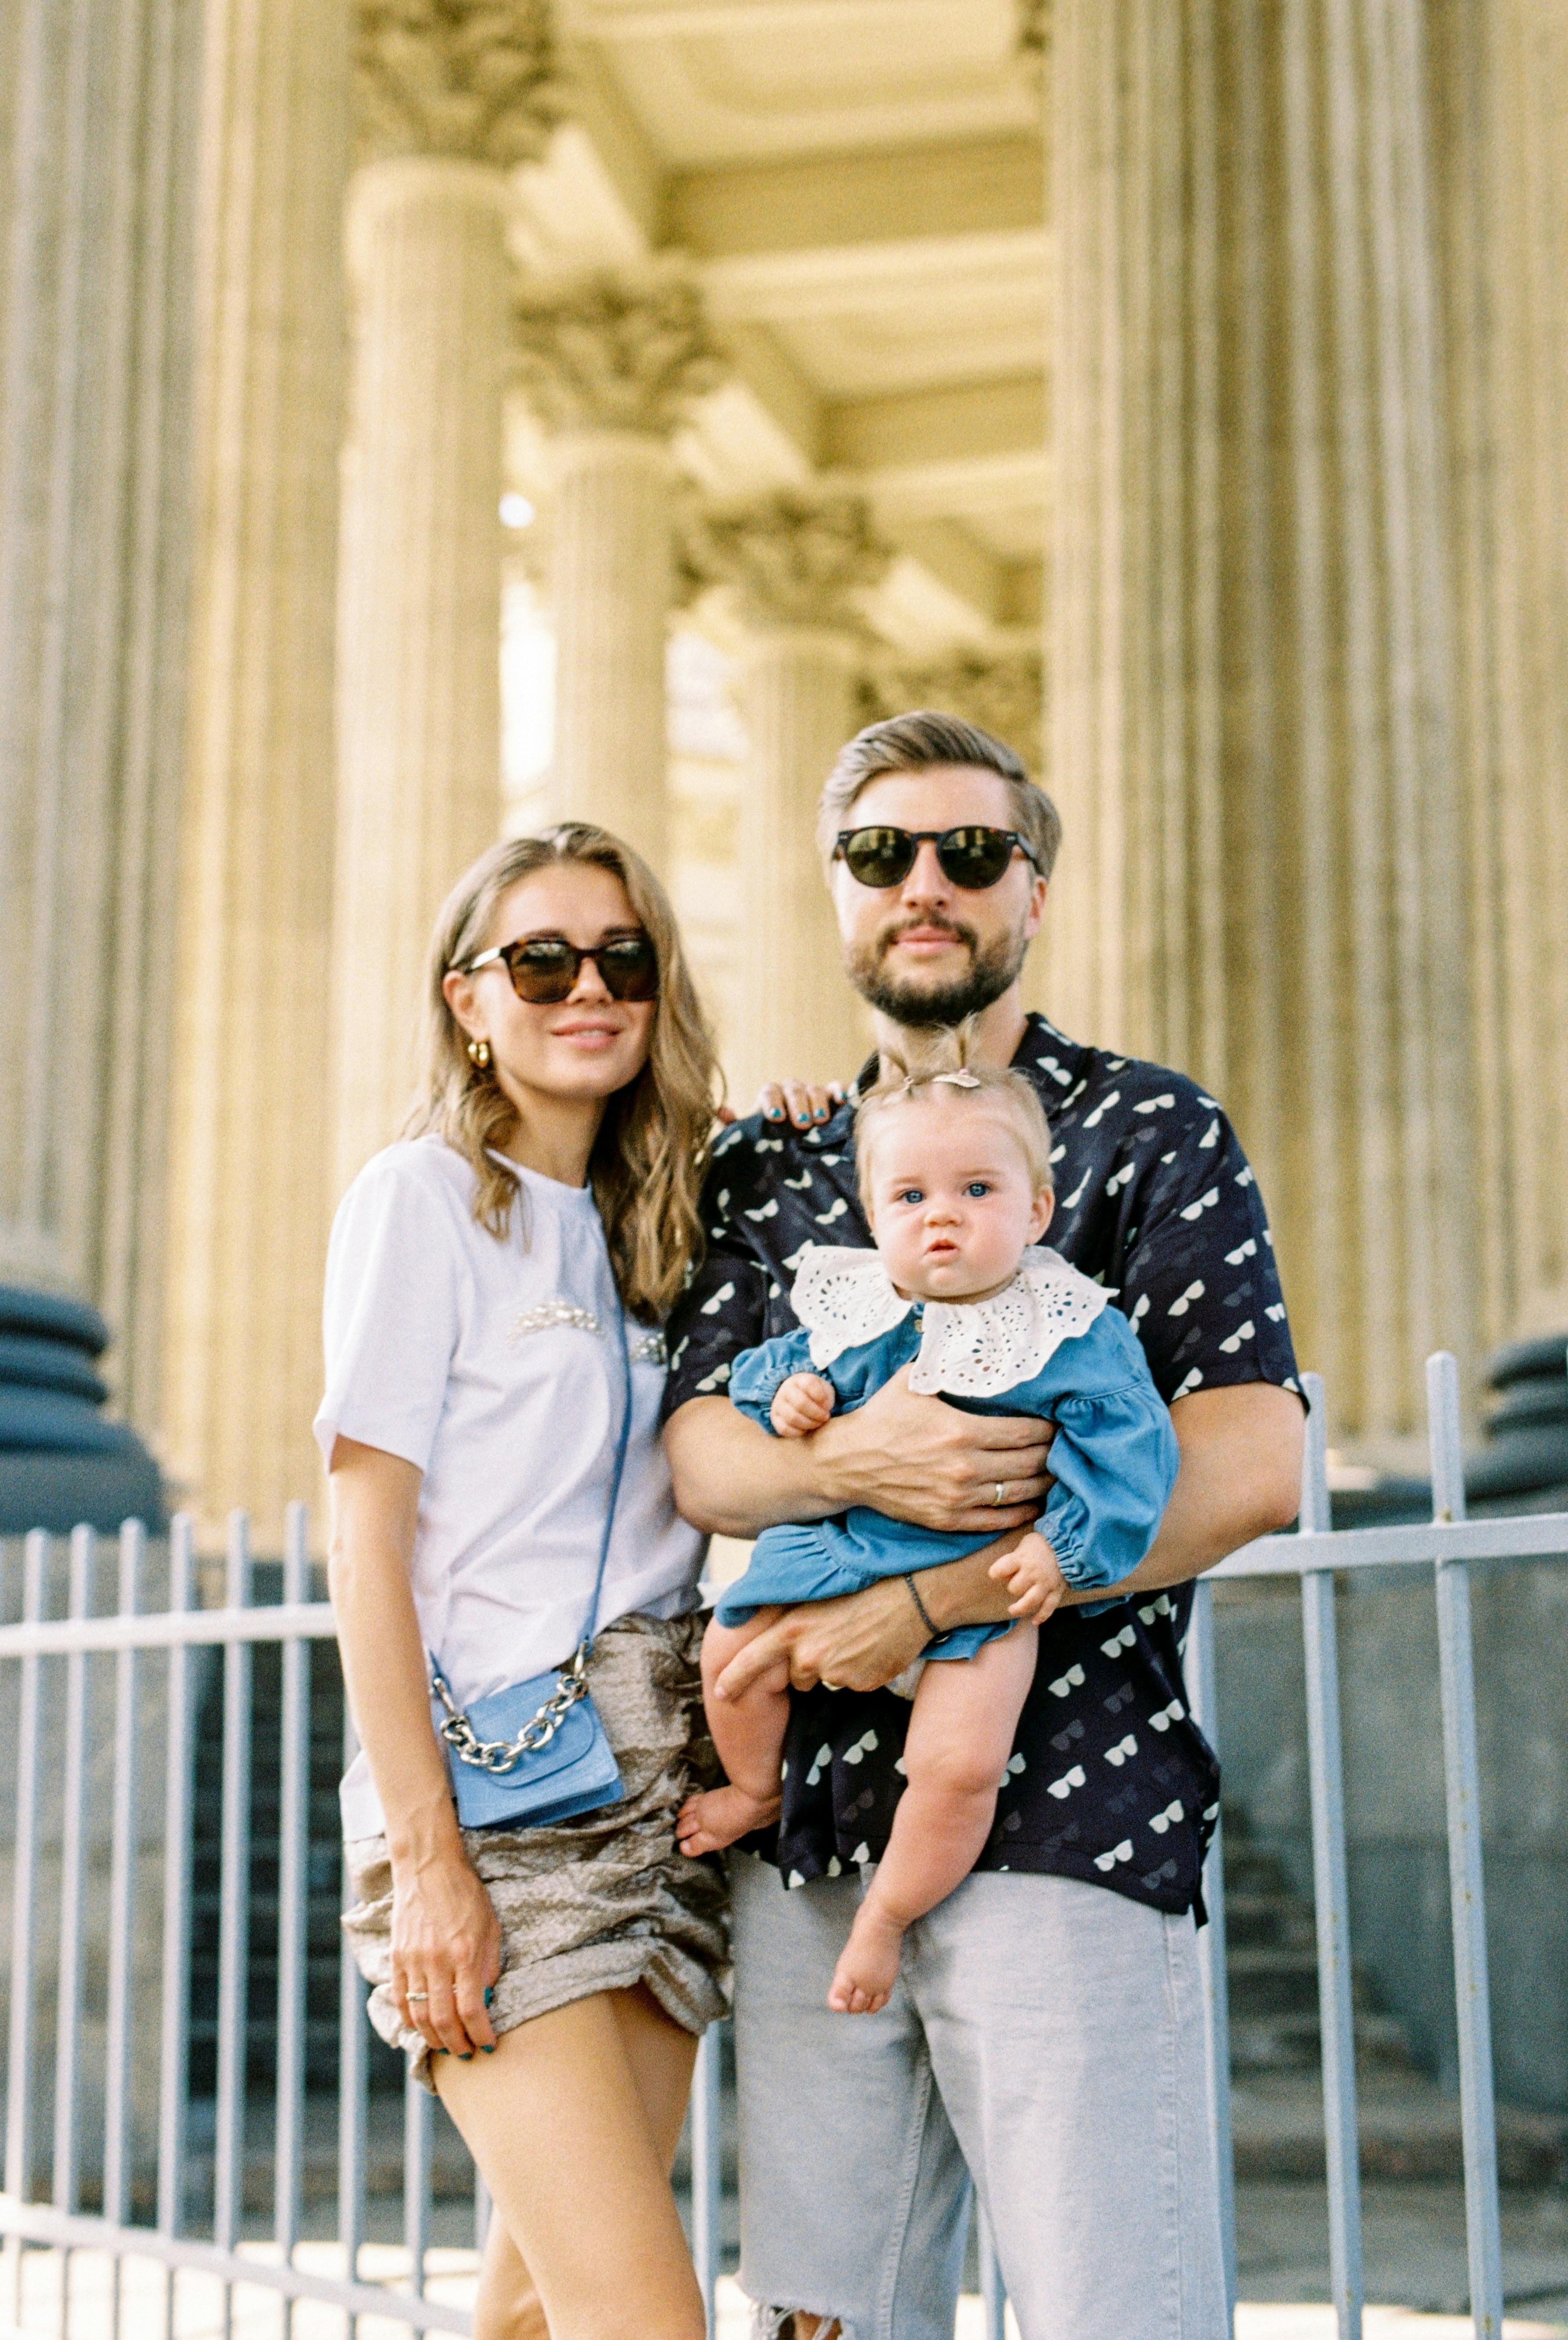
<point x="1000" y="1494"/>
<point x="412" y="1996"/>
<point x="827" y="1685"/>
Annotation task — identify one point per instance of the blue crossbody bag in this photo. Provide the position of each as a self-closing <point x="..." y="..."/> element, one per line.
<point x="536" y="1751"/>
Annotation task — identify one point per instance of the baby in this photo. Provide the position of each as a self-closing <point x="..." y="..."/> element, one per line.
<point x="954" y="1168"/>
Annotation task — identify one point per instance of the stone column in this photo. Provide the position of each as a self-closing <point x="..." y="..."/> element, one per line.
<point x="250" y="1124"/>
<point x="1500" y="203"/>
<point x="613" y="364"/>
<point x="793" y="567"/>
<point x="1251" y="616"/>
<point x="99" y="108"/>
<point x="446" y="107"/>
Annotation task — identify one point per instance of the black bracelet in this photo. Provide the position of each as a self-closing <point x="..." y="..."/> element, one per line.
<point x="919" y="1604"/>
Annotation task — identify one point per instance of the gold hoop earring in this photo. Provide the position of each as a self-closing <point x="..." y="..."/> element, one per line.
<point x="480" y="1054"/>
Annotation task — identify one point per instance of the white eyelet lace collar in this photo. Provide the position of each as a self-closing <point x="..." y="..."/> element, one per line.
<point x="970" y="1348"/>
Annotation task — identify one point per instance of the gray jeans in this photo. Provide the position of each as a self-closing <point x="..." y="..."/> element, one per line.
<point x="1045" y="2035"/>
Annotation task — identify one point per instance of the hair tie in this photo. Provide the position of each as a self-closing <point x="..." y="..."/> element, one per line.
<point x="964" y="1080"/>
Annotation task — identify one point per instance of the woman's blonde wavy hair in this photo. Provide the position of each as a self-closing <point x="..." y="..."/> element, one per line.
<point x="648" y="1158"/>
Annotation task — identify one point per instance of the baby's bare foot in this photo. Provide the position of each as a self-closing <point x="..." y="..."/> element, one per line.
<point x="721" y="1815"/>
<point x="864" y="1975"/>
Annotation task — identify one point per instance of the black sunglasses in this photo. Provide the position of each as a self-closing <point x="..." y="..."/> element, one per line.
<point x="971" y="858"/>
<point x="544" y="968"/>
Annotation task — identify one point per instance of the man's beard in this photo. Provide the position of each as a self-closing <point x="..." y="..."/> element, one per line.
<point x="991" y="971"/>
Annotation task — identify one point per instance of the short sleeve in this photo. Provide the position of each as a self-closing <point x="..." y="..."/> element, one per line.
<point x="1198" y="1281"/>
<point x="392" y="1315"/>
<point x="724" y="1309"/>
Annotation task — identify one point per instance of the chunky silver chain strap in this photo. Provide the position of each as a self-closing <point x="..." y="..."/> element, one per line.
<point x="499" y="1756"/>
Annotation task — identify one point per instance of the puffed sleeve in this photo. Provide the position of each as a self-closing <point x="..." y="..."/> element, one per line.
<point x="1114" y="1460"/>
<point x="391" y="1320"/>
<point x="759" y="1373"/>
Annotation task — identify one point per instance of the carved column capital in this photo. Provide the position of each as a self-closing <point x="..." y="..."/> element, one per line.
<point x="607" y="351"/>
<point x="793" y="559"/>
<point x="474" y="80"/>
<point x="1002" y="691"/>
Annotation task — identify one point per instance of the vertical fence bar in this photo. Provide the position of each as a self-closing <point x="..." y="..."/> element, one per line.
<point x="1201" y="1698"/>
<point x="233" y="1927"/>
<point x="121" y="1912"/>
<point x="992" y="2290"/>
<point x="707" y="2167"/>
<point x="1462" y="1781"/>
<point x="1331" y="1888"/>
<point x="352" y="2077"/>
<point x="417" y="2107"/>
<point x="72" y="1855"/>
<point x="174" y="2003"/>
<point x="23" y="1916"/>
<point x="294" y="1873"/>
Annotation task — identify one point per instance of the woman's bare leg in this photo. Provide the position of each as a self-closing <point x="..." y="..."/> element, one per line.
<point x="749" y="1733"/>
<point x="961" y="1730"/>
<point x="573" y="2122"/>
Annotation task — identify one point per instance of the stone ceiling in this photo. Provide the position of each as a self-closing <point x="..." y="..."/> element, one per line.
<point x="858" y="185"/>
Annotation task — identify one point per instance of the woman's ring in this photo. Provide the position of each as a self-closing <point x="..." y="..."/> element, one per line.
<point x="1000" y="1494"/>
<point x="412" y="1995"/>
<point x="827" y="1685"/>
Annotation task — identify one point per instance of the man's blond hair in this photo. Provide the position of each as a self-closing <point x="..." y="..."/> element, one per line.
<point x="943" y="1061"/>
<point x="920" y="741"/>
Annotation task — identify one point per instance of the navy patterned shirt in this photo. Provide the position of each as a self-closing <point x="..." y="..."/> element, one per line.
<point x="1110" y="1779"/>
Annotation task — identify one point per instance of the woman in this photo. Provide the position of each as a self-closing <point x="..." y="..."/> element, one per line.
<point x="550" y="1982"/>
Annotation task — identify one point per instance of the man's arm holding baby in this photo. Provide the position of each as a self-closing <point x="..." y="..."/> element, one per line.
<point x="913" y="1458"/>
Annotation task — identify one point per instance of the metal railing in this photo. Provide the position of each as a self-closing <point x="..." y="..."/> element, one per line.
<point x="53" y="1745"/>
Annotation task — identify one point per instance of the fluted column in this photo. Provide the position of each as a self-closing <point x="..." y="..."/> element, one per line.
<point x="247" y="1223"/>
<point x="1251" y="611"/>
<point x="613" y="364"/>
<point x="445" y="107"/>
<point x="1500" y="203"/>
<point x="793" y="567"/>
<point x="98" y="131"/>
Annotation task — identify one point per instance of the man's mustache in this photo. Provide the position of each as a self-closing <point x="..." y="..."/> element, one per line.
<point x="890" y="934"/>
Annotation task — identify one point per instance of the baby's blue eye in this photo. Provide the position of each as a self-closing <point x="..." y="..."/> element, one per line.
<point x="911" y="1194"/>
<point x="977" y="1187"/>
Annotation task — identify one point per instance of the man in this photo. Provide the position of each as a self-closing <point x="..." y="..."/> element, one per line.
<point x="1047" y="2030"/>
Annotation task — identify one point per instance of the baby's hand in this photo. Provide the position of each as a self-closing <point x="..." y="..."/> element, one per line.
<point x="1033" y="1578"/>
<point x="801" y="1405"/>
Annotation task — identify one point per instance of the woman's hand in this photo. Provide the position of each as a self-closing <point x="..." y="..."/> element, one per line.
<point x="446" y="1952"/>
<point x="805" y="1103"/>
<point x="445" y="1941"/>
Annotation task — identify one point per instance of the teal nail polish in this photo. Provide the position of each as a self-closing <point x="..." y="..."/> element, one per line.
<point x="489" y="1995"/>
<point x="775" y="1113"/>
<point x="467" y="2059"/>
<point x="490" y="2050"/>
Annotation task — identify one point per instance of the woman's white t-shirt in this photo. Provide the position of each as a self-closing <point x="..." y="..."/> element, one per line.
<point x="494" y="1367"/>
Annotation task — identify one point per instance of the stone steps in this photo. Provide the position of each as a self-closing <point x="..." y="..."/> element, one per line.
<point x="1408" y="2129"/>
